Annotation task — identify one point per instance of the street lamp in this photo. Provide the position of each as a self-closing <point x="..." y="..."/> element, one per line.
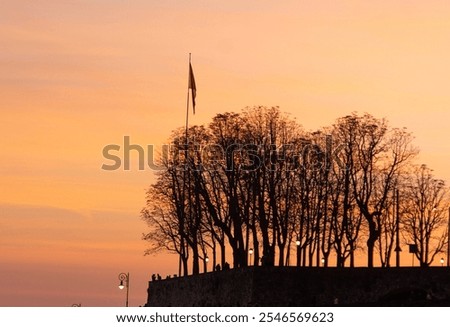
<point x="251" y="253"/>
<point x="397" y="249"/>
<point x="206" y="263"/>
<point x="125" y="277"/>
<point x="442" y="262"/>
<point x="323" y="262"/>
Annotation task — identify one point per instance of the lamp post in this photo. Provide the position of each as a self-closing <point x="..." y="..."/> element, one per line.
<point x="250" y="252"/>
<point x="398" y="249"/>
<point x="323" y="262"/>
<point x="206" y="263"/>
<point x="442" y="262"/>
<point x="125" y="277"/>
<point x="298" y="252"/>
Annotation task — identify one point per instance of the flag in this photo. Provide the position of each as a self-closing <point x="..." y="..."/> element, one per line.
<point x="192" y="86"/>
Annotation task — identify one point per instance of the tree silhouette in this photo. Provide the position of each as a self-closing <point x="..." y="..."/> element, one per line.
<point x="256" y="180"/>
<point x="425" y="215"/>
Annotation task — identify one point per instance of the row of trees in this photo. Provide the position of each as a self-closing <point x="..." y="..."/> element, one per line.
<point x="256" y="180"/>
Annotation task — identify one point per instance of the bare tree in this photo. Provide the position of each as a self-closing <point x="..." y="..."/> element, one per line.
<point x="388" y="227"/>
<point x="164" y="213"/>
<point x="256" y="180"/>
<point x="380" y="155"/>
<point x="425" y="215"/>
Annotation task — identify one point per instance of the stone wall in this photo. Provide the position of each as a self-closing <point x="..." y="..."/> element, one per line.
<point x="293" y="286"/>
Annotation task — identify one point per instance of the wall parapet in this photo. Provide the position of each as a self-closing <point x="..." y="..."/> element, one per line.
<point x="306" y="286"/>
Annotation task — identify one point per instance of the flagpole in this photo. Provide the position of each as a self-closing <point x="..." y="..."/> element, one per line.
<point x="186" y="165"/>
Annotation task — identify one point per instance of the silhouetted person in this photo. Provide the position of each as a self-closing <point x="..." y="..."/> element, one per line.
<point x="159" y="277"/>
<point x="226" y="266"/>
<point x="218" y="267"/>
<point x="153" y="277"/>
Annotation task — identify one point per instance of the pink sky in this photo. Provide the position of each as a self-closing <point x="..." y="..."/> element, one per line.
<point x="78" y="75"/>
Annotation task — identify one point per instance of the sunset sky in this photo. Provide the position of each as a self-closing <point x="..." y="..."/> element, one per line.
<point x="79" y="75"/>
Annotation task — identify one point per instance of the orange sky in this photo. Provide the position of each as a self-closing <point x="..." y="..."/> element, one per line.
<point x="78" y="75"/>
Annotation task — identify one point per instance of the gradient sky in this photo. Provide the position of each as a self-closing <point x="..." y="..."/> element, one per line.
<point x="78" y="75"/>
